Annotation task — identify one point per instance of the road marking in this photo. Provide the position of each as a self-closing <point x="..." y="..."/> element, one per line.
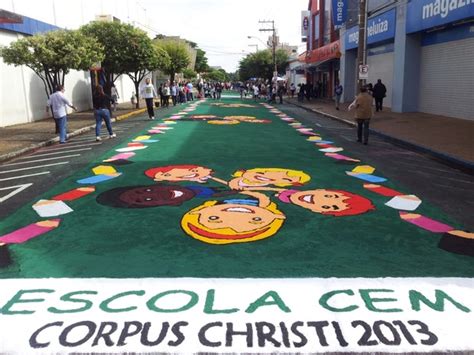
<point x="54" y="153"/>
<point x="18" y="189"/>
<point x="46" y="159"/>
<point x="68" y="146"/>
<point x="33" y="167"/>
<point x="24" y="176"/>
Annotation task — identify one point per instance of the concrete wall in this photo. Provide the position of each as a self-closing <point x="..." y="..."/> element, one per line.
<point x="22" y="93"/>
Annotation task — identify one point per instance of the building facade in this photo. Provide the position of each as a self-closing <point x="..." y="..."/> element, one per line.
<point x="420" y="49"/>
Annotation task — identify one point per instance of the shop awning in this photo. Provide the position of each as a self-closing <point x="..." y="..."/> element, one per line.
<point x="328" y="52"/>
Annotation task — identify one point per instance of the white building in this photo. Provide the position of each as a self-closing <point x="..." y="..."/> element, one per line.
<point x="22" y="94"/>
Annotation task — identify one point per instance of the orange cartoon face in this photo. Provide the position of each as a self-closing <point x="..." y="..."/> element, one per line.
<point x="176" y="173"/>
<point x="225" y="223"/>
<point x="331" y="202"/>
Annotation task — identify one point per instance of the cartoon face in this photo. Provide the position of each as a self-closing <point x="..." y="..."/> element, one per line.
<point x="320" y="201"/>
<point x="194" y="173"/>
<point x="226" y="223"/>
<point x="331" y="202"/>
<point x="145" y="196"/>
<point x="270" y="177"/>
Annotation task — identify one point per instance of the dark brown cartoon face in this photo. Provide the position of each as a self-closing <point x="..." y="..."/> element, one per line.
<point x="146" y="196"/>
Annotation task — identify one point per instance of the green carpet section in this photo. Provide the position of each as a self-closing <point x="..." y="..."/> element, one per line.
<point x="99" y="240"/>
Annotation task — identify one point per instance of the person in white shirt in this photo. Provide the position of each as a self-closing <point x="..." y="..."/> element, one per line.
<point x="58" y="103"/>
<point x="148" y="92"/>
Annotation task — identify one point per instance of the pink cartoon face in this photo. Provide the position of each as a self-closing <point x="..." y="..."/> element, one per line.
<point x="178" y="173"/>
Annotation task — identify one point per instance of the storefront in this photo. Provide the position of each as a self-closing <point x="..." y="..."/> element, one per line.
<point x="322" y="68"/>
<point x="380" y="52"/>
<point x="445" y="31"/>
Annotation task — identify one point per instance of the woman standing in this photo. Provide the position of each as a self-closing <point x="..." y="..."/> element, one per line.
<point x="101" y="112"/>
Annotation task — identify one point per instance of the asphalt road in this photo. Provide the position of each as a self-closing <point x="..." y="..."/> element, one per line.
<point x="435" y="182"/>
<point x="451" y="190"/>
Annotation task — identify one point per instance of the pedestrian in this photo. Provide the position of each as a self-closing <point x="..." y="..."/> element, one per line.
<point x="58" y="103"/>
<point x="256" y="92"/>
<point x="115" y="97"/>
<point x="379" y="92"/>
<point x="160" y="93"/>
<point x="174" y="92"/>
<point x="101" y="103"/>
<point x="148" y="92"/>
<point x="166" y="95"/>
<point x="292" y="90"/>
<point x="363" y="113"/>
<point x="280" y="91"/>
<point x="338" y="93"/>
<point x="190" y="96"/>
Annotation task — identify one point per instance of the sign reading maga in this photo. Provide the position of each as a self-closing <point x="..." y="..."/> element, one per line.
<point x="239" y="315"/>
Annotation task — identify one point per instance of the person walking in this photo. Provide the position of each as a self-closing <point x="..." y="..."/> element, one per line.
<point x="379" y="92"/>
<point x="115" y="96"/>
<point x="101" y="103"/>
<point x="292" y="90"/>
<point x="148" y="92"/>
<point x="166" y="95"/>
<point x="58" y="103"/>
<point x="363" y="114"/>
<point x="338" y="93"/>
<point x="174" y="92"/>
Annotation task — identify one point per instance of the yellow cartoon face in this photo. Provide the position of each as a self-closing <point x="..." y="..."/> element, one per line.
<point x="272" y="176"/>
<point x="227" y="223"/>
<point x="198" y="174"/>
<point x="320" y="201"/>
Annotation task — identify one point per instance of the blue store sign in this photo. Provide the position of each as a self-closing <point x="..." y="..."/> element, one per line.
<point x="339" y="12"/>
<point x="423" y="14"/>
<point x="379" y="28"/>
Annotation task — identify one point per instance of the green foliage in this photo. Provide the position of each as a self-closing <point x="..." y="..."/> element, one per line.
<point x="189" y="74"/>
<point x="201" y="62"/>
<point x="178" y="55"/>
<point x="215" y="75"/>
<point x="260" y="64"/>
<point x="53" y="54"/>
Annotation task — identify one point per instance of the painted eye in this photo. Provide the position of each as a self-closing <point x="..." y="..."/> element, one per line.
<point x="214" y="218"/>
<point x="257" y="219"/>
<point x="167" y="174"/>
<point x="326" y="207"/>
<point x="329" y="196"/>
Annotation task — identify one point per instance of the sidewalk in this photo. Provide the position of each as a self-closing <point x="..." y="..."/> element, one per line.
<point x="446" y="138"/>
<point x="19" y="139"/>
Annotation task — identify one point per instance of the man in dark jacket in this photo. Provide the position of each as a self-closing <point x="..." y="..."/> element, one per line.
<point x="379" y="92"/>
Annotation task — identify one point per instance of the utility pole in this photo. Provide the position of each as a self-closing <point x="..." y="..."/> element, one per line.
<point x="362" y="49"/>
<point x="273" y="42"/>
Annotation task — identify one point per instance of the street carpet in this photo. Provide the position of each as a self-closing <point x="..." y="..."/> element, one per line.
<point x="237" y="198"/>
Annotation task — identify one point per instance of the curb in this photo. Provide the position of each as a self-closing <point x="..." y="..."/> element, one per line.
<point x="447" y="159"/>
<point x="54" y="140"/>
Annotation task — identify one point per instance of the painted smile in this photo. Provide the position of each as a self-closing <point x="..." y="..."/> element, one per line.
<point x="215" y="235"/>
<point x="190" y="176"/>
<point x="238" y="210"/>
<point x="261" y="178"/>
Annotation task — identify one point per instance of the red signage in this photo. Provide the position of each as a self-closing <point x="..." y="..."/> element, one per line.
<point x="329" y="51"/>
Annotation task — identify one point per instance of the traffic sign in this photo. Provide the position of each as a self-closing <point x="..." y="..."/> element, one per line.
<point x="363" y="71"/>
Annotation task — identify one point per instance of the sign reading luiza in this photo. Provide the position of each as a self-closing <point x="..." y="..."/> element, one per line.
<point x="239" y="315"/>
<point x="443" y="7"/>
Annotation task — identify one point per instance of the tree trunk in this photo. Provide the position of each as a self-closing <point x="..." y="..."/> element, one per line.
<point x="137" y="94"/>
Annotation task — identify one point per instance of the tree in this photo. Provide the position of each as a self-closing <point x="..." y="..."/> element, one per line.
<point x="201" y="62"/>
<point x="189" y="74"/>
<point x="260" y="64"/>
<point x="178" y="55"/>
<point x="141" y="58"/>
<point x="114" y="37"/>
<point x="53" y="54"/>
<point x="215" y="75"/>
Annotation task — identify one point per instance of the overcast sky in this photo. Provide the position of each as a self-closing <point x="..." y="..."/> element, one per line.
<point x="221" y="27"/>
